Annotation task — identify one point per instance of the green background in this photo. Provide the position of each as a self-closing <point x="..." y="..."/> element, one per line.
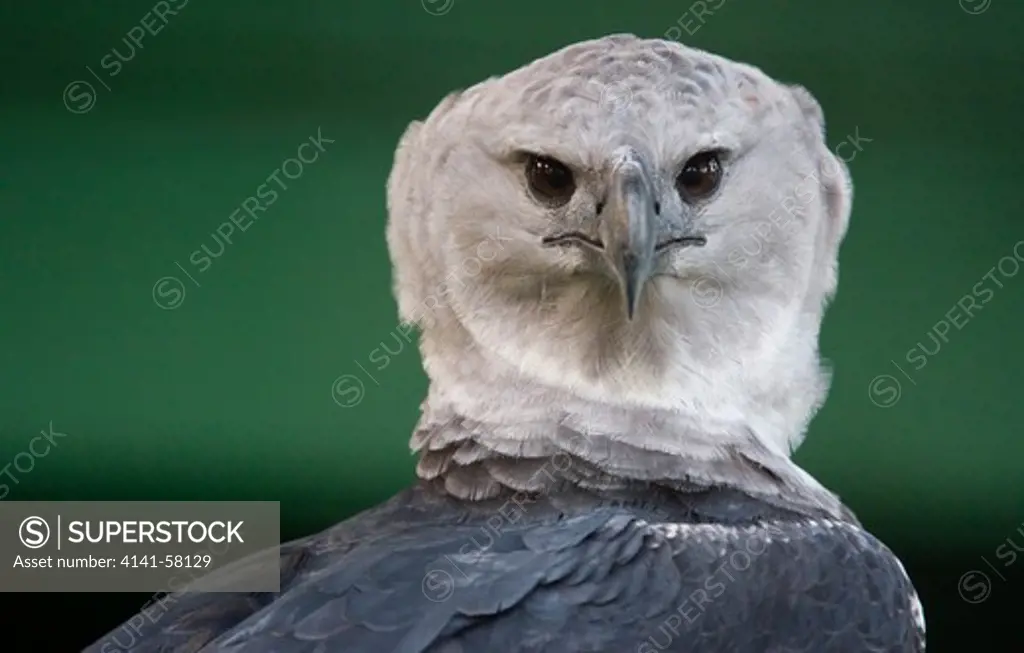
<point x="229" y="395"/>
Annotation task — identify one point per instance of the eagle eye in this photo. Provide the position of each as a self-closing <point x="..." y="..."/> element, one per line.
<point x="550" y="180"/>
<point x="700" y="176"/>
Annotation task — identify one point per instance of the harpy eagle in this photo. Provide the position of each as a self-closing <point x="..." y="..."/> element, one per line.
<point x="618" y="258"/>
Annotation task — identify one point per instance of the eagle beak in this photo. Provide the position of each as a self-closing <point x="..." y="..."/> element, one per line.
<point x="630" y="228"/>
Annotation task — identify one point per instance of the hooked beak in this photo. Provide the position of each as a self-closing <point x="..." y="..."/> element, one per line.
<point x="630" y="229"/>
<point x="628" y="233"/>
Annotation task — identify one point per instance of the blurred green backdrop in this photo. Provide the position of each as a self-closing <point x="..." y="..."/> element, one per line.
<point x="107" y="188"/>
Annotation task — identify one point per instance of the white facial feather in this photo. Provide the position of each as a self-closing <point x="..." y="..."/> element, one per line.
<point x="724" y="348"/>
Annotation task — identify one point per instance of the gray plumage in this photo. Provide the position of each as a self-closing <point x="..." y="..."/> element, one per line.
<point x="598" y="474"/>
